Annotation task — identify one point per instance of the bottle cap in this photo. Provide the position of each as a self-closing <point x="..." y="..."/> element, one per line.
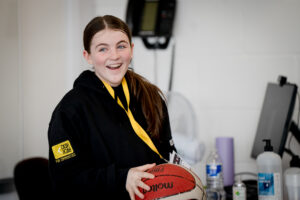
<point x="268" y="146"/>
<point x="239" y="179"/>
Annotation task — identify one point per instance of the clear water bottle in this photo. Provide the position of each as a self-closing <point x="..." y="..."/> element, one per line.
<point x="214" y="177"/>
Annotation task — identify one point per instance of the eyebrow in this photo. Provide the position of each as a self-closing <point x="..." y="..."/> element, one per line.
<point x="105" y="44"/>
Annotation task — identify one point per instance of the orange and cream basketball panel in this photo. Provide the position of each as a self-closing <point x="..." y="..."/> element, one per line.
<point x="173" y="182"/>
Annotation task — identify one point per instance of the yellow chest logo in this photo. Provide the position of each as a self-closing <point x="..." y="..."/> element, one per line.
<point x="63" y="151"/>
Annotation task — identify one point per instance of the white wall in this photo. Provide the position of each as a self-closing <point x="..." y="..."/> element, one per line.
<point x="10" y="120"/>
<point x="226" y="52"/>
<point x="51" y="58"/>
<point x="40" y="45"/>
<point x="43" y="68"/>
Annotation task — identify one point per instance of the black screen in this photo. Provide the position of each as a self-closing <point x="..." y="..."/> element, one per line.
<point x="275" y="117"/>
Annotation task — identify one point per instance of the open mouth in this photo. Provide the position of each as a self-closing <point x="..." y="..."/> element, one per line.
<point x="114" y="66"/>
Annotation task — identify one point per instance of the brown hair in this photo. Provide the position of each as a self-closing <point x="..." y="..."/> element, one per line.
<point x="146" y="93"/>
<point x="103" y="22"/>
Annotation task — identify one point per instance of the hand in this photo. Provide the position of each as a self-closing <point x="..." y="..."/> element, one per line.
<point x="134" y="180"/>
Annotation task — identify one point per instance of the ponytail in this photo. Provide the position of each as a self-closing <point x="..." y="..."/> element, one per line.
<point x="151" y="99"/>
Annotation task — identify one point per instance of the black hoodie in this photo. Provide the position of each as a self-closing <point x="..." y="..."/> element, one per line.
<point x="92" y="144"/>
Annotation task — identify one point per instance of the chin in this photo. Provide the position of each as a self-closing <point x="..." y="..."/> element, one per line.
<point x="115" y="83"/>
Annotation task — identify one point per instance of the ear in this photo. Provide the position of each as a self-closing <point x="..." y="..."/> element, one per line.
<point x="87" y="57"/>
<point x="132" y="45"/>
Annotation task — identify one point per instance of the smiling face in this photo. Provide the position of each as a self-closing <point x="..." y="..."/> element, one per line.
<point x="110" y="54"/>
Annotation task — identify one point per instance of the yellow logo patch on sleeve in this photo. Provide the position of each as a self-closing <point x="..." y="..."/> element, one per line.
<point x="63" y="151"/>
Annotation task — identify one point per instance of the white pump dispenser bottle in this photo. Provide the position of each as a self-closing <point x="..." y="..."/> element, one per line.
<point x="269" y="167"/>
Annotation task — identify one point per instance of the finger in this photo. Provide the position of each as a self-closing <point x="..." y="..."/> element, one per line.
<point x="145" y="167"/>
<point x="144" y="186"/>
<point x="131" y="194"/>
<point x="147" y="175"/>
<point x="138" y="193"/>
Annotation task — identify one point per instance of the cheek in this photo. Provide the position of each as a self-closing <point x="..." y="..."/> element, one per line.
<point x="99" y="60"/>
<point x="128" y="57"/>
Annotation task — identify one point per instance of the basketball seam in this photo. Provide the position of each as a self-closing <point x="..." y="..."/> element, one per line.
<point x="203" y="192"/>
<point x="174" y="176"/>
<point x="193" y="181"/>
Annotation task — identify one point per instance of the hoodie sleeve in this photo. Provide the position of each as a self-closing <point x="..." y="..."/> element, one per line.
<point x="166" y="142"/>
<point x="71" y="170"/>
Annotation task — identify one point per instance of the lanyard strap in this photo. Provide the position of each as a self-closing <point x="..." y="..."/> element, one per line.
<point x="135" y="125"/>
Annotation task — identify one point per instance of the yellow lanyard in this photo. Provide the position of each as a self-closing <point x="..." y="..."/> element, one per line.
<point x="135" y="125"/>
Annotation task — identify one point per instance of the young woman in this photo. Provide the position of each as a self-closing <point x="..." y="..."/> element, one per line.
<point x="112" y="126"/>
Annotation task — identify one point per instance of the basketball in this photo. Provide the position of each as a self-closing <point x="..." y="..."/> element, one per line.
<point x="173" y="182"/>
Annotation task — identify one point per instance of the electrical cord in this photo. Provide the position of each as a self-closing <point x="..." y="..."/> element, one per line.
<point x="156" y="45"/>
<point x="172" y="68"/>
<point x="298" y="121"/>
<point x="246" y="173"/>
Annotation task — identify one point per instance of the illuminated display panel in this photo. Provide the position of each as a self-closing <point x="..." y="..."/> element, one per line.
<point x="149" y="16"/>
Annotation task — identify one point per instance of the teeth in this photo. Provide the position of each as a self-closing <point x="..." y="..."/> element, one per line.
<point x="114" y="65"/>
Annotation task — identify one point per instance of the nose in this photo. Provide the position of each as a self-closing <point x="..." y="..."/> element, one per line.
<point x="114" y="54"/>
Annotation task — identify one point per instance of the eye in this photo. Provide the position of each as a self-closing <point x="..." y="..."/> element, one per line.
<point x="121" y="46"/>
<point x="103" y="49"/>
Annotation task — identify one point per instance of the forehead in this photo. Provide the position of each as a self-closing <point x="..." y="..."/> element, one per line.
<point x="109" y="36"/>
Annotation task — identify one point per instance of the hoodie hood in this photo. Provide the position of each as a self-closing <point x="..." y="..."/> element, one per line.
<point x="88" y="79"/>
